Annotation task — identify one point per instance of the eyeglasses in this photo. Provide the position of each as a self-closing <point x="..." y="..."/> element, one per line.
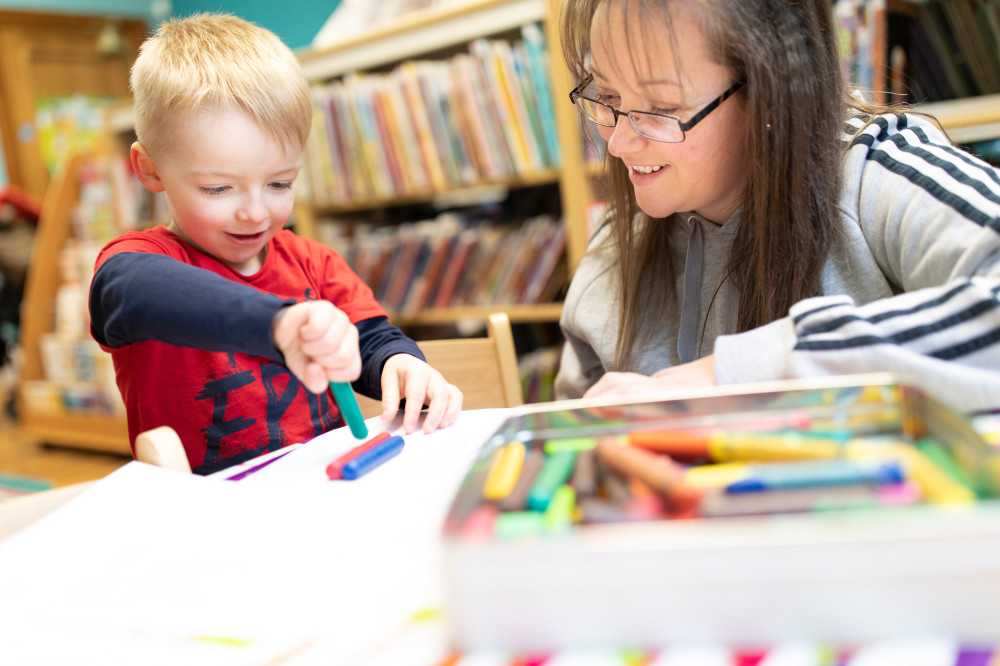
<point x="655" y="126"/>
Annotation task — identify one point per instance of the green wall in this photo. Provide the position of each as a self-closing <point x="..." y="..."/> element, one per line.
<point x="294" y="21"/>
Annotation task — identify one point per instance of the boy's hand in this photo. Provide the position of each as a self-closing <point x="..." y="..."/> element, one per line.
<point x="405" y="376"/>
<point x="319" y="342"/>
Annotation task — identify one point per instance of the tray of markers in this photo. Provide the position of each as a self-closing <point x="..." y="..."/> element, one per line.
<point x="850" y="509"/>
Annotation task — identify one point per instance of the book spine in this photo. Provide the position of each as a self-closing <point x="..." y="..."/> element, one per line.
<point x="538" y="62"/>
<point x="414" y="98"/>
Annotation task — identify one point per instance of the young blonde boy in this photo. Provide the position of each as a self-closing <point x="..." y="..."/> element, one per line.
<point x="222" y="324"/>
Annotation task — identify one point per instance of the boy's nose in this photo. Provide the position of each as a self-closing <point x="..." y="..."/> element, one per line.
<point x="252" y="210"/>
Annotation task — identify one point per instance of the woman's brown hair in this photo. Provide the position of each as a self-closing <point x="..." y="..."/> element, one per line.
<point x="795" y="106"/>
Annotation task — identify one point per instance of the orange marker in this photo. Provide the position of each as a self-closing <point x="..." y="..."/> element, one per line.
<point x="659" y="473"/>
<point x="692" y="444"/>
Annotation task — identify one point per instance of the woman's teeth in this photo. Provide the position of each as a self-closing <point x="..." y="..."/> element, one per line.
<point x="645" y="169"/>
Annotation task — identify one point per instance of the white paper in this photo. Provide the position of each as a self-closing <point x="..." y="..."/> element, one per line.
<point x="152" y="566"/>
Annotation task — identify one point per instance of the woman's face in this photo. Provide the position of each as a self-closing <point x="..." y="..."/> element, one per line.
<point x="635" y="68"/>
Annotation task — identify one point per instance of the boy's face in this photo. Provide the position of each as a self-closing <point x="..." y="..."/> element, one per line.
<point x="229" y="185"/>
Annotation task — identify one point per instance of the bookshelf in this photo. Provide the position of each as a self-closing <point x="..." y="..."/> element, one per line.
<point x="43" y="415"/>
<point x="940" y="55"/>
<point x="437" y="38"/>
<point x="969" y="119"/>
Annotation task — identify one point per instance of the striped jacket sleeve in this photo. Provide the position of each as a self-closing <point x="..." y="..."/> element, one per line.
<point x="930" y="214"/>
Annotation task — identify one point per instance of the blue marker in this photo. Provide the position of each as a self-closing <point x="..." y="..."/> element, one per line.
<point x="372" y="458"/>
<point x="349" y="409"/>
<point x="775" y="476"/>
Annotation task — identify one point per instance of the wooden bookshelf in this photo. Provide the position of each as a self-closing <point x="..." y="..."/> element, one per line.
<point x="969" y="119"/>
<point x="477" y="191"/>
<point x="427" y="35"/>
<point x="63" y="427"/>
<point x="419" y="33"/>
<point x="518" y="314"/>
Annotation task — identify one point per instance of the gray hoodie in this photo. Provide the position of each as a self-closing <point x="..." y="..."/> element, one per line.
<point x="911" y="284"/>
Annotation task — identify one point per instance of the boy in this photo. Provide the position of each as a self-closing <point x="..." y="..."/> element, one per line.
<point x="222" y="324"/>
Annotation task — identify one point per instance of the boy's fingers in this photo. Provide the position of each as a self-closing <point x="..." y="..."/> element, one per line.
<point x="455" y="399"/>
<point x="314" y="378"/>
<point x="415" y="390"/>
<point x="347" y="373"/>
<point x="437" y="405"/>
<point x="321" y="319"/>
<point x="390" y="396"/>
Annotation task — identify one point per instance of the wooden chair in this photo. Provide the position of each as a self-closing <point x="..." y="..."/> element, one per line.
<point x="485" y="369"/>
<point x="162" y="447"/>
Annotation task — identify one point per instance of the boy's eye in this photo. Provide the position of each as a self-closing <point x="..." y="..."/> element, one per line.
<point x="282" y="185"/>
<point x="214" y="190"/>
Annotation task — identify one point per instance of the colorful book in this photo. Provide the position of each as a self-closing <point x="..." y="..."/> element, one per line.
<point x="411" y="88"/>
<point x="538" y="63"/>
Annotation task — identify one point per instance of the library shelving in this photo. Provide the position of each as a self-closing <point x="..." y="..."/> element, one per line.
<point x="941" y="56"/>
<point x="45" y="412"/>
<point x="434" y="69"/>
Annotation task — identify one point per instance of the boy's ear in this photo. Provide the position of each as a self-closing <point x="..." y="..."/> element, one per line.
<point x="144" y="168"/>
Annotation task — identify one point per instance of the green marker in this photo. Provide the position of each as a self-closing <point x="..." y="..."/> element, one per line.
<point x="576" y="444"/>
<point x="558" y="516"/>
<point x="349" y="409"/>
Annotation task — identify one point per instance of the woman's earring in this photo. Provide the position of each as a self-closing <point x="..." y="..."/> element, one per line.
<point x="767" y="125"/>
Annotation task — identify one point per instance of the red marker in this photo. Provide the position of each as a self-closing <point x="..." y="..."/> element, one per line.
<point x="333" y="469"/>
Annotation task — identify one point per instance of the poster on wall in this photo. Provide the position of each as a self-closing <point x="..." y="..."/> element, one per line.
<point x="69" y="125"/>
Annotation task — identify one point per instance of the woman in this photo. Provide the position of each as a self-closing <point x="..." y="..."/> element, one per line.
<point x="765" y="223"/>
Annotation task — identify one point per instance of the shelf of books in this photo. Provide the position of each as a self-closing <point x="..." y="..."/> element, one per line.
<point x="67" y="392"/>
<point x="424" y="131"/>
<point x="941" y="55"/>
<point x="442" y="25"/>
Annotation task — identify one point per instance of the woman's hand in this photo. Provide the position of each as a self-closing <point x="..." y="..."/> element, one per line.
<point x="690" y="375"/>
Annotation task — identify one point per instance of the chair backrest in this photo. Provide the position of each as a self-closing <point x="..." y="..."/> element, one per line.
<point x="485" y="369"/>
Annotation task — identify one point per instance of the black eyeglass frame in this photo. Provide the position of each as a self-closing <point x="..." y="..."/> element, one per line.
<point x="685" y="126"/>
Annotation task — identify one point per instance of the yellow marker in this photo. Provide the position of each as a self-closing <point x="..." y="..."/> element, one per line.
<point x="788" y="445"/>
<point x="504" y="472"/>
<point x="935" y="484"/>
<point x="224" y="640"/>
<point x="719" y="475"/>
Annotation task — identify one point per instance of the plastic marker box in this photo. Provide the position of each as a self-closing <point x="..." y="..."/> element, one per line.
<point x="845" y="510"/>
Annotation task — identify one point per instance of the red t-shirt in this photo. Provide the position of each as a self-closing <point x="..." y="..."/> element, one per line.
<point x="230" y="407"/>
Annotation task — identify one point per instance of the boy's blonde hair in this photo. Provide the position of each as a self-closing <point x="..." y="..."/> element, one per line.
<point x="223" y="63"/>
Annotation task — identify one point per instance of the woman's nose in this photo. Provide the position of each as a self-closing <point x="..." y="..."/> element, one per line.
<point x="622" y="138"/>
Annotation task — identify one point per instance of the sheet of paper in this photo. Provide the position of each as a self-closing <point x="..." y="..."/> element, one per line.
<point x="285" y="564"/>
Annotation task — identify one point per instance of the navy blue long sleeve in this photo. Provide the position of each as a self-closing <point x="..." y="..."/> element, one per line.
<point x="138" y="296"/>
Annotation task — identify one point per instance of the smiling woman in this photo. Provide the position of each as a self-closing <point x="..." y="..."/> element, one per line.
<point x="764" y="222"/>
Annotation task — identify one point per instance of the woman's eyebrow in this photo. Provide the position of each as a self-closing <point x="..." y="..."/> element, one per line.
<point x="596" y="73"/>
